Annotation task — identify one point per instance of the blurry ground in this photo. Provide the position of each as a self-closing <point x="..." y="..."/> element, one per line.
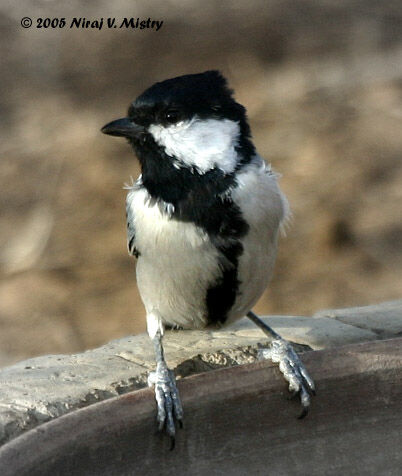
<point x="322" y="82"/>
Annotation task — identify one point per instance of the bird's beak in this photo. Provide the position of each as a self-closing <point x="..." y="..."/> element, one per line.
<point x="123" y="128"/>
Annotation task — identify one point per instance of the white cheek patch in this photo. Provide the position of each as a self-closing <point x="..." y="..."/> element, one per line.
<point x="202" y="144"/>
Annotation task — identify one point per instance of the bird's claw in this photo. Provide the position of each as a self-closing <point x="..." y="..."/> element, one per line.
<point x="292" y="368"/>
<point x="167" y="397"/>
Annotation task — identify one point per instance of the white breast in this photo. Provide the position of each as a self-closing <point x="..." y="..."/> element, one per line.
<point x="177" y="265"/>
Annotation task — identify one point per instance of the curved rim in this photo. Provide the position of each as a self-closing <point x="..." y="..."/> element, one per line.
<point x="135" y="408"/>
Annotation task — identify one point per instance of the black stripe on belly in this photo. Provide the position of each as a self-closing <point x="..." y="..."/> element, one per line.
<point x="226" y="236"/>
<point x="222" y="295"/>
<point x="222" y="219"/>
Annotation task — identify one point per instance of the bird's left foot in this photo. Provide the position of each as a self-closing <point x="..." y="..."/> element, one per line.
<point x="292" y="368"/>
<point x="168" y="400"/>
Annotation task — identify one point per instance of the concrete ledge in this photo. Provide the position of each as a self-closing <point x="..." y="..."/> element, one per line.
<point x="237" y="421"/>
<point x="43" y="388"/>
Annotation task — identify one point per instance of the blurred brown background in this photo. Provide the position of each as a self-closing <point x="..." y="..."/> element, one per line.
<point x="322" y="81"/>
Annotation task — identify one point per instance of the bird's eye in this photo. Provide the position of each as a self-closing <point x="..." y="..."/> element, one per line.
<point x="172" y="116"/>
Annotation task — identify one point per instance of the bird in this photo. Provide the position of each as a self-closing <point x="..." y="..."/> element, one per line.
<point x="203" y="221"/>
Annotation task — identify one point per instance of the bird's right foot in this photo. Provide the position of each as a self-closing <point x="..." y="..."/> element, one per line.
<point x="292" y="368"/>
<point x="168" y="401"/>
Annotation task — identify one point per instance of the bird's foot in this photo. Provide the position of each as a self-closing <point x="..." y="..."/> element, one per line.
<point x="168" y="401"/>
<point x="292" y="368"/>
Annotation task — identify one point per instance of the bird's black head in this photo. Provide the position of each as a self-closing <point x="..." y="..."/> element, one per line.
<point x="186" y="126"/>
<point x="205" y="96"/>
<point x="185" y="107"/>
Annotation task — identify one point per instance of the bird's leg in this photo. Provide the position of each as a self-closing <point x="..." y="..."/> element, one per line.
<point x="166" y="393"/>
<point x="292" y="368"/>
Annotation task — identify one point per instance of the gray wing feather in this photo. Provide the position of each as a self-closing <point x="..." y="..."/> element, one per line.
<point x="131" y="231"/>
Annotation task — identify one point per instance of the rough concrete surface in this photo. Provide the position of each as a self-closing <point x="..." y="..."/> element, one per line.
<point x="43" y="388"/>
